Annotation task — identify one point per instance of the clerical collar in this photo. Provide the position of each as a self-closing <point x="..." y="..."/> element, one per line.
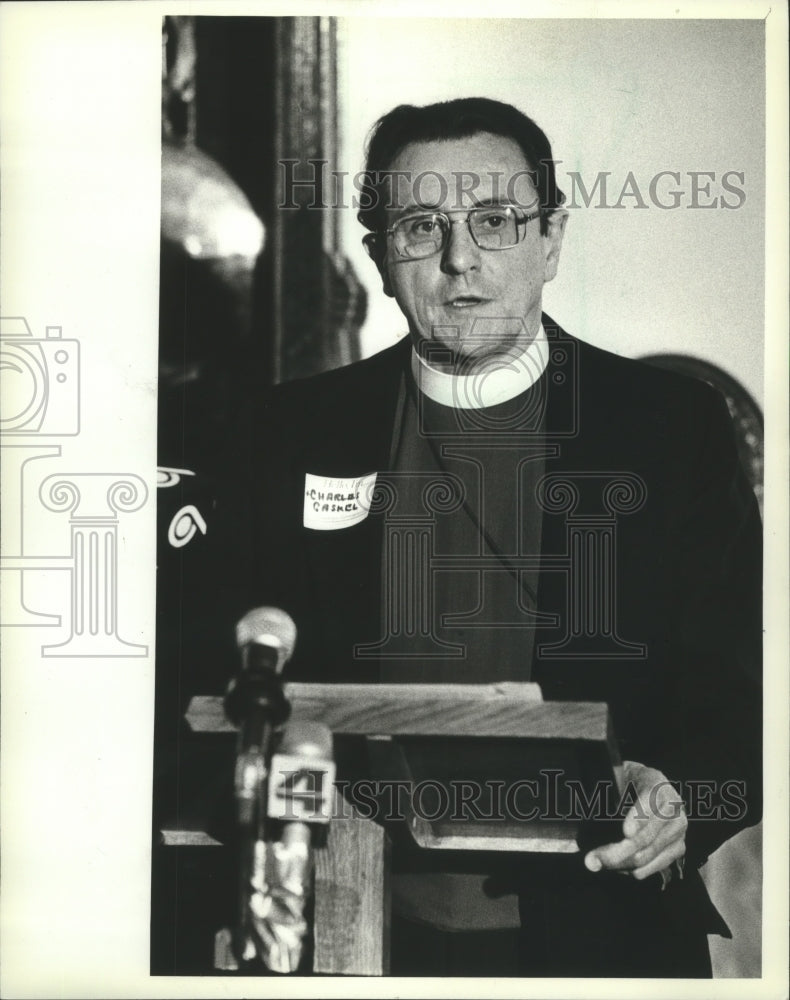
<point x="496" y="381"/>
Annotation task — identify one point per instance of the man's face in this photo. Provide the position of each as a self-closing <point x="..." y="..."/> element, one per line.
<point x="479" y="303"/>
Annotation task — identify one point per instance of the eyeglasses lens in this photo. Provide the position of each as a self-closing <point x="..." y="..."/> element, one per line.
<point x="424" y="235"/>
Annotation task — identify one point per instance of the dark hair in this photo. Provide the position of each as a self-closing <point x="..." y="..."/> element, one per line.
<point x="456" y="119"/>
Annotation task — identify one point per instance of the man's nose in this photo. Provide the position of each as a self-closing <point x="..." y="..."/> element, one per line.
<point x="461" y="253"/>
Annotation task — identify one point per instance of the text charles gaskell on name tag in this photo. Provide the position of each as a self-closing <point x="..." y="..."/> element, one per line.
<point x="331" y="503"/>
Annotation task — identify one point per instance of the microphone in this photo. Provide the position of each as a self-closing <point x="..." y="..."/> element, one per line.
<point x="301" y="781"/>
<point x="266" y="638"/>
<point x="256" y="703"/>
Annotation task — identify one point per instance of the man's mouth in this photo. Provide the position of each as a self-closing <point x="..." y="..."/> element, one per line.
<point x="465" y="301"/>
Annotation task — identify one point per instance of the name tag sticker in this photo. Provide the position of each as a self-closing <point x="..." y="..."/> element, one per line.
<point x="330" y="503"/>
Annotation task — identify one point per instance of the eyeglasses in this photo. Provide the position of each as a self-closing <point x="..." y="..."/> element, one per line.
<point x="425" y="234"/>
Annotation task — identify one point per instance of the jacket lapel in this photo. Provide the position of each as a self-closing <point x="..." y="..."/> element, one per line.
<point x="563" y="438"/>
<point x="343" y="565"/>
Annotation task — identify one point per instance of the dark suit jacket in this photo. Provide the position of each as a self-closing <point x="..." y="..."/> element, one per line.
<point x="684" y="685"/>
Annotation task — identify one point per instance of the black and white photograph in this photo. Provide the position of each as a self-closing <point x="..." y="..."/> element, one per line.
<point x="394" y="449"/>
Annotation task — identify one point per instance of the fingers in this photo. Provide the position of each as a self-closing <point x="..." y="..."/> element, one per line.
<point x="654" y="829"/>
<point x="653" y="838"/>
<point x="674" y="852"/>
<point x="611" y="856"/>
<point x="658" y="805"/>
<point x="626" y="857"/>
<point x="664" y="837"/>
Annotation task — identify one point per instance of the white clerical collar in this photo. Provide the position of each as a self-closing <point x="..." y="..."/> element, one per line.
<point x="496" y="380"/>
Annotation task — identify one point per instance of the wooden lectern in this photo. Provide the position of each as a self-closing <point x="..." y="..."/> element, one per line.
<point x="432" y="734"/>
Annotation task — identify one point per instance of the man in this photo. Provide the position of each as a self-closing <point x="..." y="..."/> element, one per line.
<point x="621" y="478"/>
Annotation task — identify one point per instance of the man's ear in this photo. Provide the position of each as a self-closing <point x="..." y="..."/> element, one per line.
<point x="555" y="230"/>
<point x="377" y="251"/>
<point x="385" y="279"/>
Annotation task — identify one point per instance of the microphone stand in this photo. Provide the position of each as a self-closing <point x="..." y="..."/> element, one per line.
<point x="256" y="703"/>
